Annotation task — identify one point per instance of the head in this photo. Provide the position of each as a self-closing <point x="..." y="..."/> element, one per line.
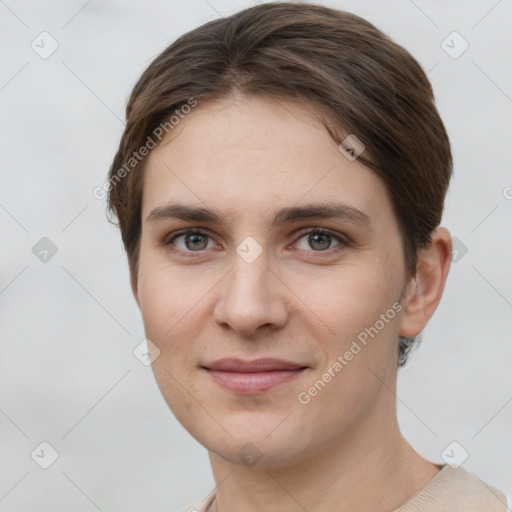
<point x="253" y="131"/>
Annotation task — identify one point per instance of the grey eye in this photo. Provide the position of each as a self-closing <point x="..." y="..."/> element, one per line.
<point x="318" y="241"/>
<point x="192" y="241"/>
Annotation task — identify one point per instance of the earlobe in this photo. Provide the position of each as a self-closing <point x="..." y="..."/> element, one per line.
<point x="424" y="291"/>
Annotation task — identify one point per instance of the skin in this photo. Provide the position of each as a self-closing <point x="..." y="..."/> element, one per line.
<point x="246" y="158"/>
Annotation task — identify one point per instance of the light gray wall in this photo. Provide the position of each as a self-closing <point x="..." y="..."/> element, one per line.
<point x="68" y="326"/>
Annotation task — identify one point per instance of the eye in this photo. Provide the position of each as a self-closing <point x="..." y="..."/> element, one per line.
<point x="193" y="241"/>
<point x="321" y="240"/>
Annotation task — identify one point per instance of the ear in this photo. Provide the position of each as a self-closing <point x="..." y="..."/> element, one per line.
<point x="424" y="291"/>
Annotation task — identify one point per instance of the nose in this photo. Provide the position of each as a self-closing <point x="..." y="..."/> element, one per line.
<point x="252" y="296"/>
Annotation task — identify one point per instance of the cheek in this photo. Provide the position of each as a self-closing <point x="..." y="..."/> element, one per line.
<point x="163" y="292"/>
<point x="161" y="304"/>
<point x="358" y="306"/>
<point x="348" y="383"/>
<point x="347" y="299"/>
<point x="171" y="302"/>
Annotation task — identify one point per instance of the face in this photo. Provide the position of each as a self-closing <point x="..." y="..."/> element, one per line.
<point x="295" y="255"/>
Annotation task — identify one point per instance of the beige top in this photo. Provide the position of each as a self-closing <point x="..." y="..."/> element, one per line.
<point x="451" y="490"/>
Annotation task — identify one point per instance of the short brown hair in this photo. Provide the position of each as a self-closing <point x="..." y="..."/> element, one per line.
<point x="339" y="63"/>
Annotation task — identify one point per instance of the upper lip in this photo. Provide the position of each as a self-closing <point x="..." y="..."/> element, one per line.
<point x="257" y="365"/>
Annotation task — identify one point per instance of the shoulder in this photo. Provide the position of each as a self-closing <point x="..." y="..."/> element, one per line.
<point x="454" y="490"/>
<point x="451" y="490"/>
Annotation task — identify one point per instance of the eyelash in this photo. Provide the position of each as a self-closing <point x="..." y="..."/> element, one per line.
<point x="343" y="240"/>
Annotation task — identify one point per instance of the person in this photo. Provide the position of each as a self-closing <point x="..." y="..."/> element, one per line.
<point x="279" y="188"/>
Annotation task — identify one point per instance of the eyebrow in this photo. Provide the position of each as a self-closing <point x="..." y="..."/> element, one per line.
<point x="324" y="210"/>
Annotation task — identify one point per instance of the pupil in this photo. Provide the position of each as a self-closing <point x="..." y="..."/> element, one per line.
<point x="325" y="244"/>
<point x="196" y="240"/>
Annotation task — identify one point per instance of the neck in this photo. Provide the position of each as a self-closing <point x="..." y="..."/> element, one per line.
<point x="371" y="468"/>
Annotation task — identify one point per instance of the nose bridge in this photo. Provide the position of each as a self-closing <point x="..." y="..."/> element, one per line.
<point x="250" y="297"/>
<point x="249" y="268"/>
<point x="248" y="280"/>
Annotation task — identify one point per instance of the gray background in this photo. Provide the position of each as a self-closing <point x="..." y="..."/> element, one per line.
<point x="68" y="375"/>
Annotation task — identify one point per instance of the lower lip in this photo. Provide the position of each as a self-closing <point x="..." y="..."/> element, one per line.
<point x="249" y="383"/>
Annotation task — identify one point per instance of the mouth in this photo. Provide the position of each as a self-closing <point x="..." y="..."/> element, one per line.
<point x="253" y="377"/>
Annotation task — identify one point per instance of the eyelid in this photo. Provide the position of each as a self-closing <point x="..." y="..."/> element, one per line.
<point x="341" y="237"/>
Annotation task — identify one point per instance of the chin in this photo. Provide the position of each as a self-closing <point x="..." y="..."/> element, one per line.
<point x="262" y="441"/>
<point x="256" y="454"/>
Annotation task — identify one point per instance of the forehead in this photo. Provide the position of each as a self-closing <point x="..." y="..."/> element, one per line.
<point x="247" y="154"/>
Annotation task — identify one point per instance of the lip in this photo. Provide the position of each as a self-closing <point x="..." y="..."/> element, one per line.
<point x="266" y="364"/>
<point x="251" y="377"/>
